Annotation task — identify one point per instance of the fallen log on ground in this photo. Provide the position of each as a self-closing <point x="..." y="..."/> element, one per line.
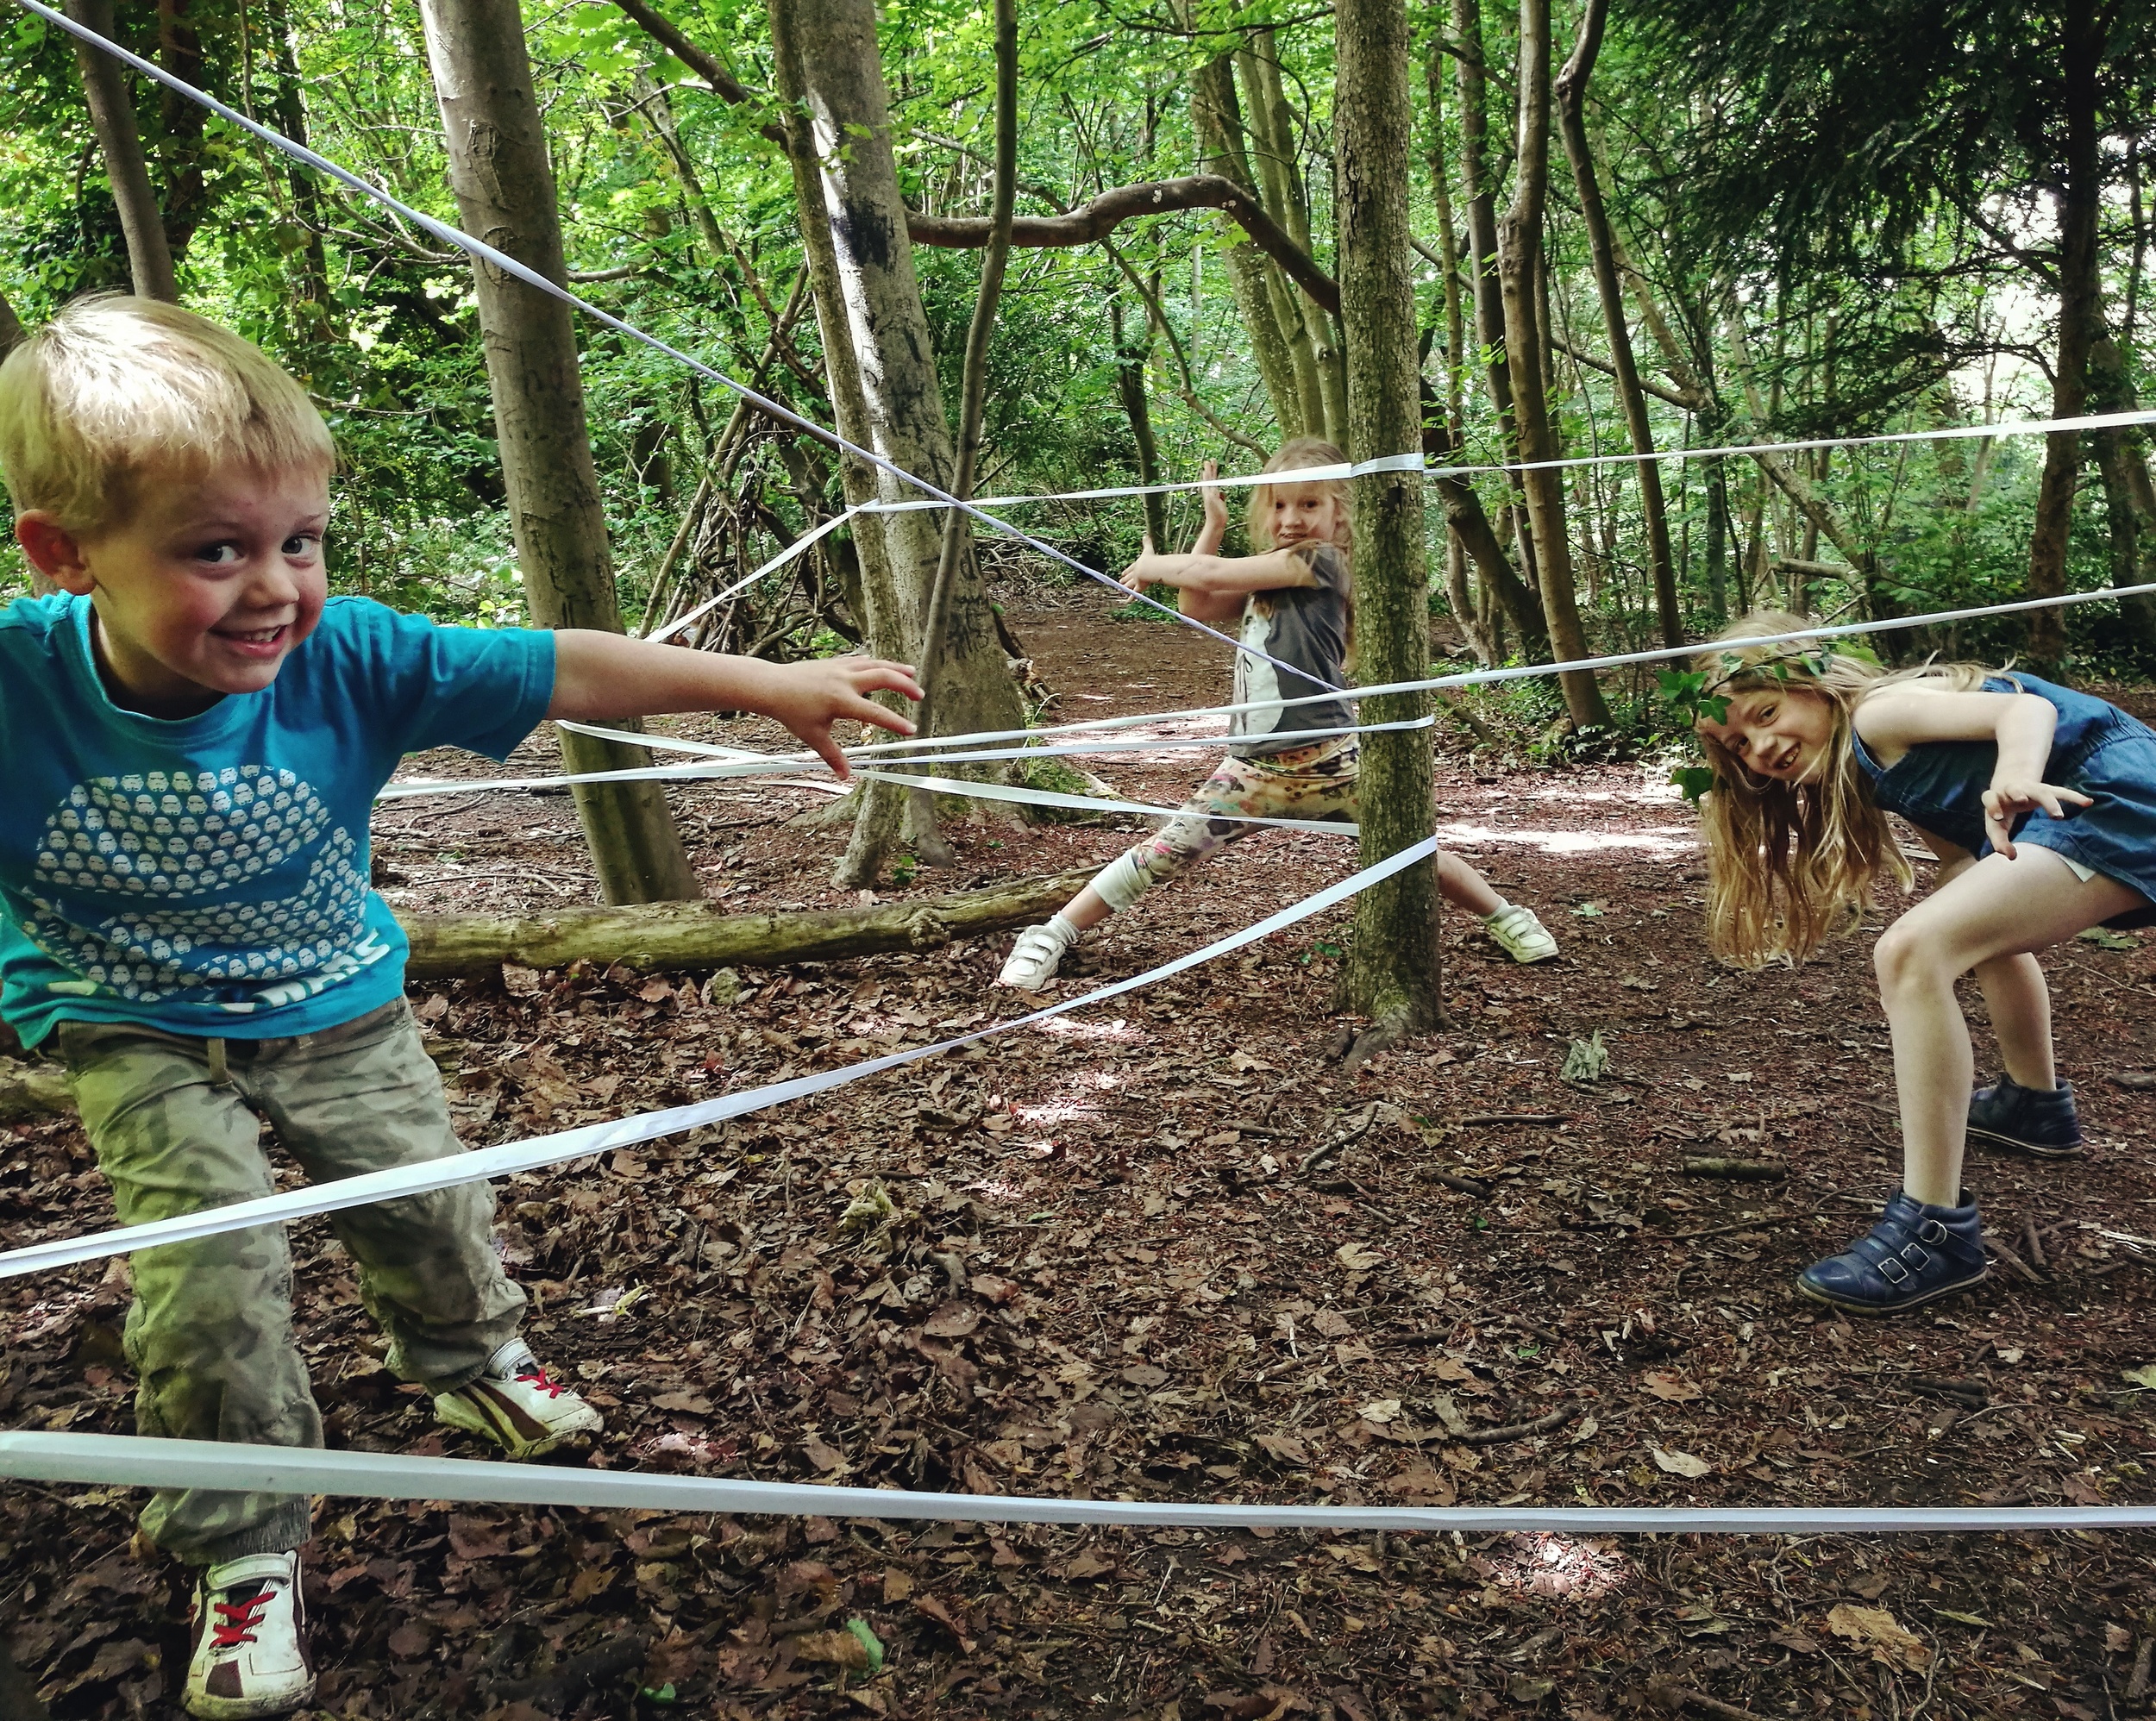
<point x="657" y="935"/>
<point x="703" y="936"/>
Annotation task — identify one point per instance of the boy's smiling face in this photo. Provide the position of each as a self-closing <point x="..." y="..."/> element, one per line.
<point x="204" y="589"/>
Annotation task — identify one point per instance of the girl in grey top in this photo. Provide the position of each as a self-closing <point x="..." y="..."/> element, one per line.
<point x="1295" y="600"/>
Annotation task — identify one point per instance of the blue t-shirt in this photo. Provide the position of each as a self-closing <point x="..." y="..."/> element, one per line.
<point x="208" y="876"/>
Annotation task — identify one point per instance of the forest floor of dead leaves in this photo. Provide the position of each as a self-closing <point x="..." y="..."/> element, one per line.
<point x="1114" y="1268"/>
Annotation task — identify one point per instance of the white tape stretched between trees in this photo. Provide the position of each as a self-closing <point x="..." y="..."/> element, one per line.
<point x="478" y="1164"/>
<point x="142" y="1461"/>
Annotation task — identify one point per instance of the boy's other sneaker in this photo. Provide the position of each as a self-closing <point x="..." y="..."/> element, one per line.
<point x="518" y="1405"/>
<point x="1913" y="1255"/>
<point x="2026" y="1119"/>
<point x="249" y="1626"/>
<point x="1520" y="935"/>
<point x="1034" y="958"/>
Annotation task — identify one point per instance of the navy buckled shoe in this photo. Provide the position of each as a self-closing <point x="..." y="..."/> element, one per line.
<point x="1914" y="1255"/>
<point x="2027" y="1120"/>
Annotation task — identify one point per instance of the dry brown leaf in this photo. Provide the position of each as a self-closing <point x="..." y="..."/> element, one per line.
<point x="1357" y="1257"/>
<point x="1672" y="1388"/>
<point x="840" y="1649"/>
<point x="1879" y="1631"/>
<point x="1681" y="1464"/>
<point x="954" y="1319"/>
<point x="1284" y="1447"/>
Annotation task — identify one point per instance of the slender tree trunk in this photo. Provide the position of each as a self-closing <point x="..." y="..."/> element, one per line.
<point x="828" y="60"/>
<point x="1392" y="973"/>
<point x="1313" y="342"/>
<point x="105" y="84"/>
<point x="2080" y="322"/>
<point x="181" y="122"/>
<point x="879" y="807"/>
<point x="2129" y="495"/>
<point x="314" y="306"/>
<point x="503" y="182"/>
<point x="12" y="334"/>
<point x="1572" y="107"/>
<point x="1519" y="264"/>
<point x="1130" y="383"/>
<point x="972" y="399"/>
<point x="1219" y="118"/>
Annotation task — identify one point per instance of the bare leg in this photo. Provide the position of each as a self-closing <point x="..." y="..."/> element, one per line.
<point x="1088" y="908"/>
<point x="1462" y="886"/>
<point x="1997" y="908"/>
<point x="2020" y="1019"/>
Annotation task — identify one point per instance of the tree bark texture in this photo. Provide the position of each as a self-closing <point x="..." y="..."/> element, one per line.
<point x="12" y="334"/>
<point x="973" y="395"/>
<point x="106" y="84"/>
<point x="1218" y="120"/>
<point x="1313" y="340"/>
<point x="505" y="188"/>
<point x="1392" y="973"/>
<point x="180" y="124"/>
<point x="2080" y="322"/>
<point x="1572" y="109"/>
<point x="1131" y="357"/>
<point x="1520" y="270"/>
<point x="2129" y="496"/>
<point x="830" y="65"/>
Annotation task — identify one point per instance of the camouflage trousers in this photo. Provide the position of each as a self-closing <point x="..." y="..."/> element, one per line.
<point x="177" y="1126"/>
<point x="1312" y="782"/>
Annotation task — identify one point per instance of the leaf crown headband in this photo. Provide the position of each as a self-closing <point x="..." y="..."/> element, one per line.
<point x="1694" y="695"/>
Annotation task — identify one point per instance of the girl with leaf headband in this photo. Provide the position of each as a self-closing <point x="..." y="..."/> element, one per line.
<point x="2041" y="804"/>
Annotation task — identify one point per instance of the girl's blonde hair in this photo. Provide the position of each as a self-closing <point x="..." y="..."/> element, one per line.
<point x="1791" y="865"/>
<point x="116" y="387"/>
<point x="1296" y="455"/>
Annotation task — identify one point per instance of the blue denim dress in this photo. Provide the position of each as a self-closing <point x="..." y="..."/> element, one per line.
<point x="1938" y="785"/>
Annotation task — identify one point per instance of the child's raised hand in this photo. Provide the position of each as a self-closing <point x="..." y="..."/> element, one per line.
<point x="809" y="698"/>
<point x="2009" y="798"/>
<point x="1216" y="505"/>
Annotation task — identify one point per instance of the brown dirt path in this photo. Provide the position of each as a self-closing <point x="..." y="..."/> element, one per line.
<point x="1108" y="1273"/>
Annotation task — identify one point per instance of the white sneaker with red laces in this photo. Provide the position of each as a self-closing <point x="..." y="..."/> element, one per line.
<point x="518" y="1405"/>
<point x="249" y="1626"/>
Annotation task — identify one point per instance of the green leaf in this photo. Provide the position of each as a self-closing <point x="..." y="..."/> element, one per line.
<point x="2143" y="1376"/>
<point x="1589" y="911"/>
<point x="1693" y="781"/>
<point x="869" y="1641"/>
<point x="660" y="1695"/>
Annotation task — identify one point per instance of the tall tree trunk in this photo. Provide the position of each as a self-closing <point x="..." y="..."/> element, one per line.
<point x="1130" y="383"/>
<point x="880" y="806"/>
<point x="12" y="334"/>
<point x="1313" y="342"/>
<point x="828" y="60"/>
<point x="180" y="121"/>
<point x="1465" y="610"/>
<point x="2080" y="322"/>
<point x="314" y="304"/>
<point x="1392" y="973"/>
<point x="1572" y="106"/>
<point x="1478" y="180"/>
<point x="105" y="84"/>
<point x="1219" y="119"/>
<point x="1519" y="267"/>
<point x="504" y="184"/>
<point x="973" y="394"/>
<point x="2129" y="495"/>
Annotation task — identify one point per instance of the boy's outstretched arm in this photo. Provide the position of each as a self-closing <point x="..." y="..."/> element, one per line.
<point x="602" y="678"/>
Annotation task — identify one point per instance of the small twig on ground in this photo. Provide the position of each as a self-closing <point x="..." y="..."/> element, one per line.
<point x="1466" y="1185"/>
<point x="1354" y="1132"/>
<point x="1755" y="1171"/>
<point x="2035" y="1244"/>
<point x="2014" y="1260"/>
<point x="1673" y="1700"/>
<point x="1483" y="1118"/>
<point x="1519" y="1431"/>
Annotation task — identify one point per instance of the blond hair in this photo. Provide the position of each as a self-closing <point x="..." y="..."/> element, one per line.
<point x="1791" y="865"/>
<point x="1296" y="455"/>
<point x="114" y="387"/>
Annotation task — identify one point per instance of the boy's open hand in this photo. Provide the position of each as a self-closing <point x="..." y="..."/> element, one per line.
<point x="2009" y="798"/>
<point x="809" y="698"/>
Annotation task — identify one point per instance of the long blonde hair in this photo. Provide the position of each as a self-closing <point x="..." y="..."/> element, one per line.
<point x="1791" y="865"/>
<point x="1298" y="453"/>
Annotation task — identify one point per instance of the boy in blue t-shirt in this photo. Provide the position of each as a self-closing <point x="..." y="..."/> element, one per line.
<point x="194" y="734"/>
